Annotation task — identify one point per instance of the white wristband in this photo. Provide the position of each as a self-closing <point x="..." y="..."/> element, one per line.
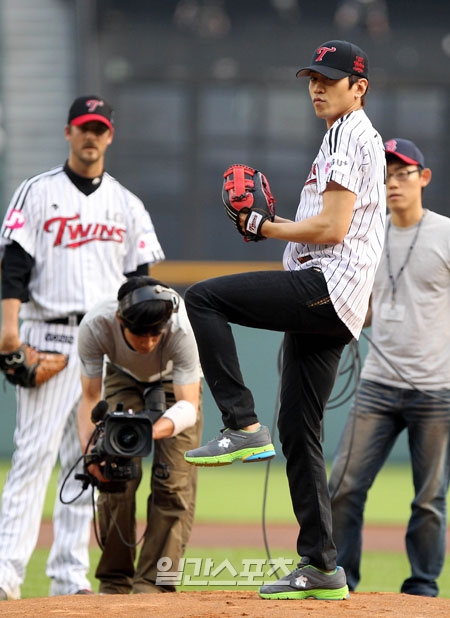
<point x="182" y="414"/>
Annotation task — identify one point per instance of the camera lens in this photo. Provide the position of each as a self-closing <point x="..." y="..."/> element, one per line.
<point x="127" y="438"/>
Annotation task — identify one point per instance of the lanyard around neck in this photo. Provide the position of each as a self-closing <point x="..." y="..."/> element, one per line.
<point x="395" y="279"/>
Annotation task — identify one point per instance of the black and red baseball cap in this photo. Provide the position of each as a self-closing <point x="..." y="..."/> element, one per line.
<point x="336" y="60"/>
<point x="405" y="150"/>
<point x="88" y="108"/>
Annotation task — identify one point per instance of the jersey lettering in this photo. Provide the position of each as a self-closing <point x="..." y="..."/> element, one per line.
<point x="74" y="235"/>
<point x="54" y="338"/>
<point x="337" y="163"/>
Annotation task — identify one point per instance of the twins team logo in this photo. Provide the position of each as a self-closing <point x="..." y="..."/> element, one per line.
<point x="15" y="220"/>
<point x="71" y="235"/>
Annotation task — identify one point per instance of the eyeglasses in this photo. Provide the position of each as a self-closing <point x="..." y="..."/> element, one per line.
<point x="402" y="175"/>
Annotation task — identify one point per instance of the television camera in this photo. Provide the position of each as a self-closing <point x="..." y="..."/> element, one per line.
<point x="120" y="436"/>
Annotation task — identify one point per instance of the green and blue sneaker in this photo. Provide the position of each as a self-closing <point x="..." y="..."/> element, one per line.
<point x="231" y="445"/>
<point x="308" y="582"/>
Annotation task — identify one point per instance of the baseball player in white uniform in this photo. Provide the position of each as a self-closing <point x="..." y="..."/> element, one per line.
<point x="69" y="238"/>
<point x="319" y="301"/>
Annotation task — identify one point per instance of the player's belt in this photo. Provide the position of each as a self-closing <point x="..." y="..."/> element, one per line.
<point x="70" y="320"/>
<point x="304" y="258"/>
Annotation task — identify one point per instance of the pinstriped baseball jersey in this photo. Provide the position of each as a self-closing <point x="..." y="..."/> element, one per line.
<point x="351" y="154"/>
<point x="91" y="240"/>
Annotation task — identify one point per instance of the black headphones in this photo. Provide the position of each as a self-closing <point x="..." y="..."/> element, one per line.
<point x="149" y="292"/>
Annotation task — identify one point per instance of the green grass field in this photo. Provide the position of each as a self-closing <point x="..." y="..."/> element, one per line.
<point x="236" y="494"/>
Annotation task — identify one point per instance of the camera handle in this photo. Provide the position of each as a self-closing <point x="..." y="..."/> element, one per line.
<point x="154" y="401"/>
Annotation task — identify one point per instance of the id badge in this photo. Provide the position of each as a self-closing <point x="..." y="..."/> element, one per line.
<point x="393" y="313"/>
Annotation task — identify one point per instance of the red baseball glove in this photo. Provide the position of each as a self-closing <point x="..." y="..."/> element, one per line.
<point x="247" y="191"/>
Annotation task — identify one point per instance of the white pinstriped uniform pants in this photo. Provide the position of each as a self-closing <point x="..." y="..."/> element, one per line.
<point x="45" y="427"/>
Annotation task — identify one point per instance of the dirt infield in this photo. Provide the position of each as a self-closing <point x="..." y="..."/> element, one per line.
<point x="281" y="536"/>
<point x="220" y="604"/>
<point x="236" y="604"/>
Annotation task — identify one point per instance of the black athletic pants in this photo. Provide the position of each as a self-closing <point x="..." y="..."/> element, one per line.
<point x="297" y="304"/>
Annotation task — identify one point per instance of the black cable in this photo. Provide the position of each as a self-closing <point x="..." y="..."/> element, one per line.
<point x="353" y="369"/>
<point x="116" y="525"/>
<point x="431" y="394"/>
<point x="65" y="481"/>
<point x="85" y="476"/>
<point x="86" y="483"/>
<point x="351" y="364"/>
<point x="344" y="470"/>
<point x="269" y="461"/>
<point x="94" y="520"/>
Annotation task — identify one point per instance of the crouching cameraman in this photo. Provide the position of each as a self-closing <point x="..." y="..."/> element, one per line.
<point x="146" y="340"/>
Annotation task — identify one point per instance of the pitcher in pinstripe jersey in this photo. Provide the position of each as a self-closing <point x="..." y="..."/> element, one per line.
<point x="319" y="301"/>
<point x="70" y="237"/>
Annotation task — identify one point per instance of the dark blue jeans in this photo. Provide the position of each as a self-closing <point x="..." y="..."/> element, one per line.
<point x="377" y="417"/>
<point x="297" y="304"/>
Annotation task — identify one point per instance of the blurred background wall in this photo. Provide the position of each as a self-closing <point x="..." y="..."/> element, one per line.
<point x="198" y="85"/>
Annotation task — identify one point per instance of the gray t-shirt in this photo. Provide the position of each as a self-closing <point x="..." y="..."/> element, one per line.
<point x="100" y="338"/>
<point x="418" y="343"/>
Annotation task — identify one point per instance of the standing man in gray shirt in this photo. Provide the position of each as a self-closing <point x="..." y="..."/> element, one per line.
<point x="145" y="338"/>
<point x="405" y="381"/>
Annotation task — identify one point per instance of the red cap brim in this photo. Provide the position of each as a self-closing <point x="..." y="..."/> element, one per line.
<point x="403" y="157"/>
<point x="88" y="118"/>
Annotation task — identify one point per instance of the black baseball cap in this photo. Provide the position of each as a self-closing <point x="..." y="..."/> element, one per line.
<point x="337" y="59"/>
<point x="88" y="108"/>
<point x="405" y="150"/>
